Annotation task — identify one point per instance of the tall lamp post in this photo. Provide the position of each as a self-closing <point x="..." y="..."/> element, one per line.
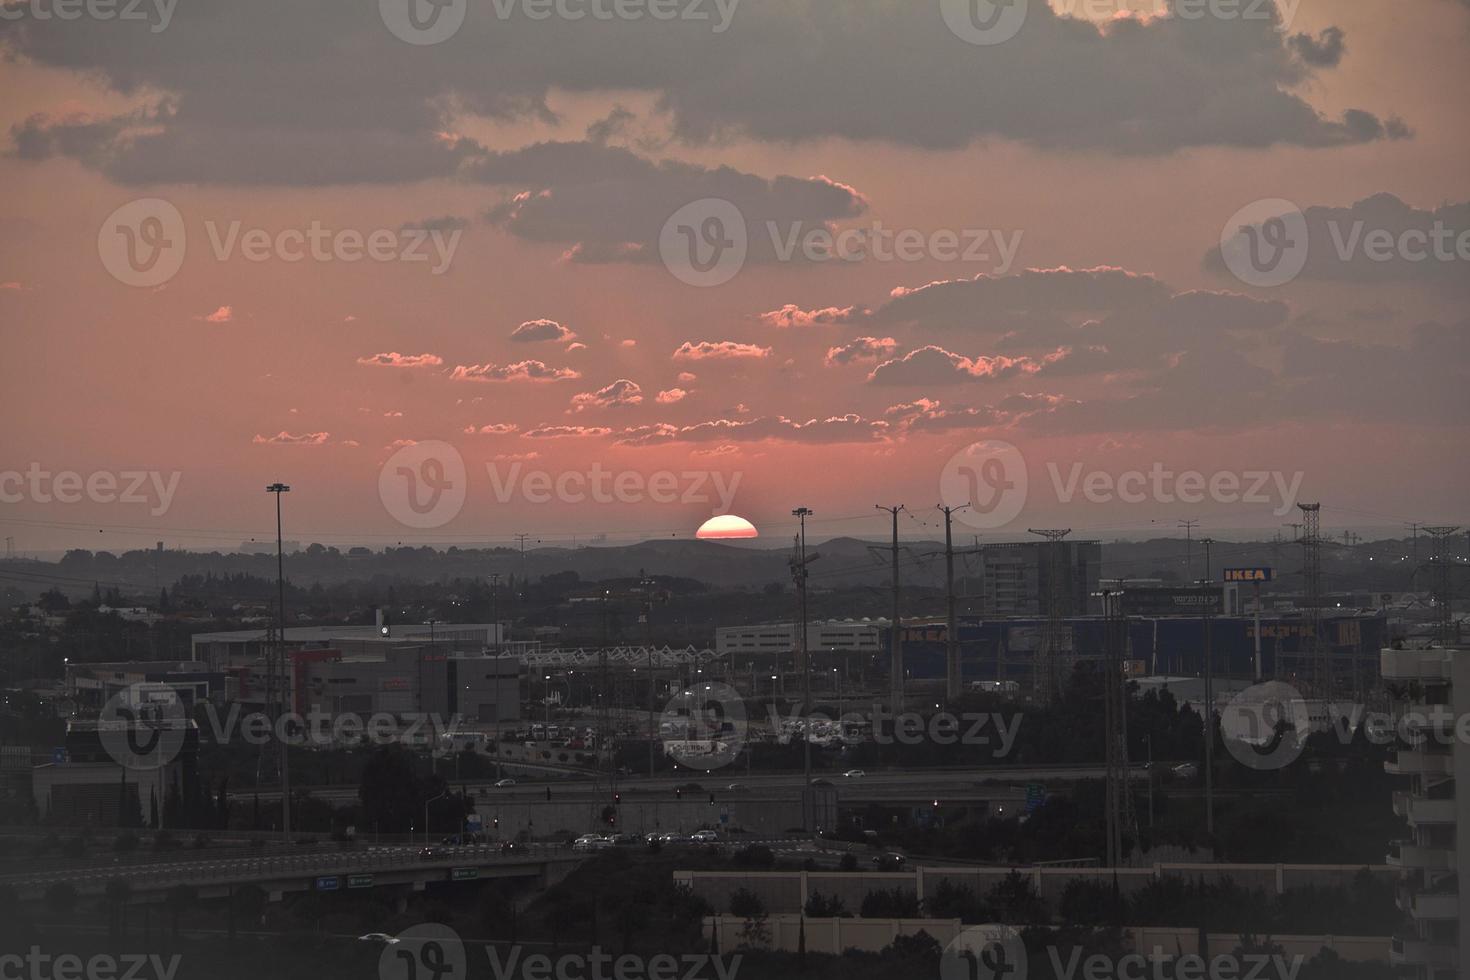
<point x="808" y="804"/>
<point x="278" y="489"/>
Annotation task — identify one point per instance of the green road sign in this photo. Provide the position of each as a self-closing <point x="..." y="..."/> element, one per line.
<point x="464" y="874"/>
<point x="359" y="881"/>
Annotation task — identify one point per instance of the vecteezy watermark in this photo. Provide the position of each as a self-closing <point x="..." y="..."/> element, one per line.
<point x="988" y="952"/>
<point x="1267" y="243"/>
<point x="425" y="22"/>
<point x="151" y="488"/>
<point x="424" y="952"/>
<point x="1161" y="965"/>
<point x="882" y="726"/>
<point x="140" y="730"/>
<point x="425" y="485"/>
<point x="516" y="963"/>
<point x="987" y="484"/>
<point x="436" y="952"/>
<point x="155" y="13"/>
<point x="704" y="727"/>
<point x="38" y="965"/>
<point x="984" y="22"/>
<point x="1266" y="726"/>
<point x="988" y="22"/>
<point x="143" y="243"/>
<point x="601" y="486"/>
<point x="707" y="242"/>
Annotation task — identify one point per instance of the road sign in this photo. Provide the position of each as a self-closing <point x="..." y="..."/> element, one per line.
<point x="1256" y="573"/>
<point x="1035" y="797"/>
<point x="328" y="883"/>
<point x="464" y="874"/>
<point x="473" y="823"/>
<point x="359" y="881"/>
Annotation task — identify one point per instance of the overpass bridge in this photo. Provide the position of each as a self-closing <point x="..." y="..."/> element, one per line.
<point x="283" y="870"/>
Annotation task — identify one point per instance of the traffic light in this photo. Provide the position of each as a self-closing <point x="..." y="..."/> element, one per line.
<point x="712" y="799"/>
<point x="678" y="793"/>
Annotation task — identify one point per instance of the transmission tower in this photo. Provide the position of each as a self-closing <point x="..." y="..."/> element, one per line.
<point x="1316" y="652"/>
<point x="895" y="644"/>
<point x="1050" y="655"/>
<point x="1121" y="821"/>
<point x="1440" y="562"/>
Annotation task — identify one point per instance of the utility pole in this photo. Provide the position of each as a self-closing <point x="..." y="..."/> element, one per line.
<point x="799" y="573"/>
<point x="522" y="539"/>
<point x="1444" y="620"/>
<point x="1189" y="527"/>
<point x="895" y="645"/>
<point x="951" y="629"/>
<point x="278" y="489"/>
<point x="646" y="584"/>
<point x="1047" y="682"/>
<point x="1120" y="819"/>
<point x="1209" y="609"/>
<point x="1311" y="541"/>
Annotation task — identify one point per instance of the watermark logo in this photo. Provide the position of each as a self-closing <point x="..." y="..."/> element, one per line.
<point x="424" y="952"/>
<point x="986" y="482"/>
<point x="1161" y="485"/>
<point x="988" y="952"/>
<point x="515" y="963"/>
<point x="423" y="22"/>
<point x="1265" y="243"/>
<point x="156" y="13"/>
<point x="704" y="243"/>
<point x="141" y="730"/>
<point x="704" y="727"/>
<point x="424" y="485"/>
<point x="1263" y="726"/>
<point x="151" y="488"/>
<point x="143" y="242"/>
<point x="39" y="965"/>
<point x="984" y="22"/>
<point x="602" y="486"/>
<point x="883" y="726"/>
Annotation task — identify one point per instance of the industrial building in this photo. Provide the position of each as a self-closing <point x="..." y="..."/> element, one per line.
<point x="1016" y="577"/>
<point x="863" y="636"/>
<point x="1432" y="686"/>
<point x="86" y="785"/>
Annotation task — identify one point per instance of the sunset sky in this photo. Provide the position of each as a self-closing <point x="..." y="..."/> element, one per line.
<point x="1095" y="326"/>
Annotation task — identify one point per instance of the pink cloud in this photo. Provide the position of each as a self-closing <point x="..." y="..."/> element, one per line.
<point x="671" y="395"/>
<point x="284" y="438"/>
<point x="533" y="331"/>
<point x="222" y="315"/>
<point x="621" y="392"/>
<point x="493" y="429"/>
<point x="519" y="371"/>
<point x="792" y="315"/>
<point x="397" y="360"/>
<point x="568" y="432"/>
<point x="861" y="349"/>
<point x="706" y="350"/>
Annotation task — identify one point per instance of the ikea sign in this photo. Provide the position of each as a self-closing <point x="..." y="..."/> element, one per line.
<point x="1260" y="573"/>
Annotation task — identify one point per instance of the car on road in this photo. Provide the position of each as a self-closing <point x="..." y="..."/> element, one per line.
<point x="379" y="937"/>
<point x="704" y="837"/>
<point x="1185" y="770"/>
<point x="504" y="783"/>
<point x="821" y="782"/>
<point x="892" y="861"/>
<point x="587" y="842"/>
<point x="737" y="788"/>
<point x="427" y="853"/>
<point x="854" y="774"/>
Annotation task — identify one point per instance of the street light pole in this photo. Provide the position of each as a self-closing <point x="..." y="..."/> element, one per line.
<point x="278" y="489"/>
<point x="801" y="514"/>
<point x="1209" y="703"/>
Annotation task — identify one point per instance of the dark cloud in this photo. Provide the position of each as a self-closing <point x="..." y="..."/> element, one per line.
<point x="277" y="91"/>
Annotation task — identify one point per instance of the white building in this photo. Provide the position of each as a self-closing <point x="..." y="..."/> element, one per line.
<point x="1431" y="690"/>
<point x="831" y="636"/>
